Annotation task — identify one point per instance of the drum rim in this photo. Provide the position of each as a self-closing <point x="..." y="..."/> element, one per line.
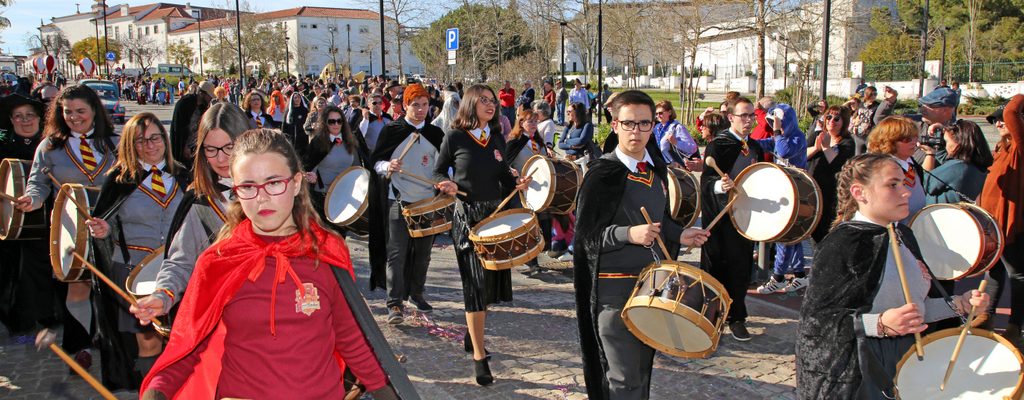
<point x="975" y="267"/>
<point x="713" y="332"/>
<point x="579" y="182"/>
<point x="944" y="333"/>
<point x="792" y="218"/>
<point x="514" y="233"/>
<point x="158" y="252"/>
<point x="704" y="276"/>
<point x="12" y="230"/>
<point x="362" y="207"/>
<point x="502" y="265"/>
<point x="428" y="204"/>
<point x="81" y="235"/>
<point x="674" y="181"/>
<point x="551" y="193"/>
<point x="818" y="210"/>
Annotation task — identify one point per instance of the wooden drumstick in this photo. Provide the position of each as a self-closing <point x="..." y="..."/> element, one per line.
<point x="8" y="197"/>
<point x="661" y="243"/>
<point x="83" y="373"/>
<point x="960" y="340"/>
<point x="112" y="285"/>
<point x="415" y="136"/>
<point x="725" y="210"/>
<point x="710" y="161"/>
<point x="895" y="246"/>
<point x="81" y="208"/>
<point x="508" y="198"/>
<point x="425" y="180"/>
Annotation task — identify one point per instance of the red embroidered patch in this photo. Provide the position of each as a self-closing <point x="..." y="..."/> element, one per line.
<point x="310" y="302"/>
<point x="497" y="155"/>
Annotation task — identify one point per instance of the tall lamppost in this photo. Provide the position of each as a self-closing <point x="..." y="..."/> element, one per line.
<point x="824" y="47"/>
<point x="383" y="62"/>
<point x="238" y="38"/>
<point x="942" y="67"/>
<point x="106" y="63"/>
<point x="348" y="46"/>
<point x="924" y="47"/>
<point x="561" y="28"/>
<point x="600" y="57"/>
<point x="197" y="14"/>
<point x="287" y="57"/>
<point x="96" y="27"/>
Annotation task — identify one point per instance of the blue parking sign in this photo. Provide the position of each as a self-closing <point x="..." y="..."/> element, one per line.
<point x="451" y="39"/>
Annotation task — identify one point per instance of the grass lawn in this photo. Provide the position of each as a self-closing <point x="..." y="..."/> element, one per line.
<point x="673" y="96"/>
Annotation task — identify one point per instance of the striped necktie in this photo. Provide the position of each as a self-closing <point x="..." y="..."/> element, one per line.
<point x="910" y="177"/>
<point x="337" y="141"/>
<point x="158" y="181"/>
<point x="533" y="146"/>
<point x="88" y="158"/>
<point x="259" y="122"/>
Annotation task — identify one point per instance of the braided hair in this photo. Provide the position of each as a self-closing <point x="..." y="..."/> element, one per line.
<point x="860" y="169"/>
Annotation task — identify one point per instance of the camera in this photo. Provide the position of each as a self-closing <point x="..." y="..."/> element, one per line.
<point x="931" y="141"/>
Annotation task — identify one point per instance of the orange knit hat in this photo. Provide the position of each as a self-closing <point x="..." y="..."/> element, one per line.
<point x="412" y="92"/>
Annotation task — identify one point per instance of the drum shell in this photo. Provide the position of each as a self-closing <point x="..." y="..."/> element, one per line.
<point x="506" y="250"/>
<point x="565" y="184"/>
<point x="706" y="307"/>
<point x="936" y="362"/>
<point x="684" y="197"/>
<point x="358" y="222"/>
<point x="61" y="205"/>
<point x="14" y="224"/>
<point x="423" y="216"/>
<point x="806" y="213"/>
<point x="989" y="250"/>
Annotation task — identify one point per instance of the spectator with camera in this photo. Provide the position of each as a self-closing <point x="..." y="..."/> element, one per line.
<point x="936" y="110"/>
<point x="962" y="175"/>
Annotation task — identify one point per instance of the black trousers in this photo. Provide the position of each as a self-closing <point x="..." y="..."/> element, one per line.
<point x="408" y="258"/>
<point x="728" y="257"/>
<point x="629" y="360"/>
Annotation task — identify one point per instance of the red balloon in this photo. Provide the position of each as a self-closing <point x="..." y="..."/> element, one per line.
<point x="88" y="66"/>
<point x="50" y="62"/>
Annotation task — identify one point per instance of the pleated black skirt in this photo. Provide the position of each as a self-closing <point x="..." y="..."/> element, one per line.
<point x="480" y="287"/>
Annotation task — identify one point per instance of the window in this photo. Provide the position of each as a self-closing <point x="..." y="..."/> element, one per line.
<point x="156" y="28"/>
<point x="312" y="26"/>
<point x="363" y="29"/>
<point x="117" y="31"/>
<point x="130" y="31"/>
<point x="316" y="48"/>
<point x="303" y="26"/>
<point x="191" y="40"/>
<point x="147" y="30"/>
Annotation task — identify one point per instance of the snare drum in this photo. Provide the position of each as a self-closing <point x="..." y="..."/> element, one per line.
<point x="554" y="186"/>
<point x="683" y="196"/>
<point x="988" y="367"/>
<point x="780" y="204"/>
<point x="957" y="240"/>
<point x="507" y="239"/>
<point x="677" y="309"/>
<point x="15" y="224"/>
<point x="68" y="233"/>
<point x="430" y="216"/>
<point x="347" y="200"/>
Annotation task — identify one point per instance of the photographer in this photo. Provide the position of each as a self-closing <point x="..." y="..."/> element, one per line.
<point x="937" y="107"/>
<point x="961" y="176"/>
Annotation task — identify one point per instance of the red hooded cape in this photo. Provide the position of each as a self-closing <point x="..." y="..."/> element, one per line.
<point x="218" y="274"/>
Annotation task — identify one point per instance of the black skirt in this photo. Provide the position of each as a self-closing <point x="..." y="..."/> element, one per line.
<point x="480" y="287"/>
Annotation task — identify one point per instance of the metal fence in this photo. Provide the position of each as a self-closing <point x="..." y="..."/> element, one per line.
<point x="1011" y="71"/>
<point x="892" y="72"/>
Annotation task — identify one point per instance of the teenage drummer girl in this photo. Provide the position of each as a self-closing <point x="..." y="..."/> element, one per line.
<point x="856" y="292"/>
<point x="474" y="149"/>
<point x="524" y="142"/>
<point x="333" y="148"/>
<point x="407" y="257"/>
<point x="79" y="148"/>
<point x="614" y="243"/>
<point x="201" y="213"/>
<point x="133" y="214"/>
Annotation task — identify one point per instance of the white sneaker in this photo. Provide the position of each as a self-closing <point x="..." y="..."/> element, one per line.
<point x="565" y="257"/>
<point x="796" y="284"/>
<point x="771" y="286"/>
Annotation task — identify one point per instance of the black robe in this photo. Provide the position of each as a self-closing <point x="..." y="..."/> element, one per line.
<point x="391" y="136"/>
<point x="184" y="126"/>
<point x="599" y="196"/>
<point x="848" y="268"/>
<point x="118" y="350"/>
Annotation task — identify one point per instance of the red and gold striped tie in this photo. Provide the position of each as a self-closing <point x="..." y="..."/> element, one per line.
<point x="910" y="177"/>
<point x="259" y="122"/>
<point x="88" y="158"/>
<point x="533" y="146"/>
<point x="158" y="181"/>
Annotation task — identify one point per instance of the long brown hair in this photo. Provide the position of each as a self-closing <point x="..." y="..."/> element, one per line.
<point x="57" y="130"/>
<point x="859" y="169"/>
<point x="466" y="118"/>
<point x="972" y="147"/>
<point x="228" y="118"/>
<point x="127" y="167"/>
<point x="245" y="106"/>
<point x="521" y="117"/>
<point x="321" y="140"/>
<point x="263" y="141"/>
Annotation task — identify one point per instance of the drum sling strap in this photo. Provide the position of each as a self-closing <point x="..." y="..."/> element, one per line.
<point x="207" y="219"/>
<point x="122" y="243"/>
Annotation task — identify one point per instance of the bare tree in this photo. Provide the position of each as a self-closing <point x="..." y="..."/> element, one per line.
<point x="142" y="50"/>
<point x="627" y="36"/>
<point x="402" y="13"/>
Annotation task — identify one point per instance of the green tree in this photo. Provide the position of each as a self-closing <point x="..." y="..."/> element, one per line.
<point x="180" y="53"/>
<point x="87" y="48"/>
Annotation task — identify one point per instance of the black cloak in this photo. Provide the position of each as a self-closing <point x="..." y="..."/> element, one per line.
<point x="186" y="111"/>
<point x="514" y="146"/>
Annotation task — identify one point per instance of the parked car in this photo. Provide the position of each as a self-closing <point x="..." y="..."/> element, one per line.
<point x="109" y="94"/>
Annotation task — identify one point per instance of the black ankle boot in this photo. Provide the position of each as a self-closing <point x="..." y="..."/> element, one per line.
<point x="483" y="372"/>
<point x="467" y="343"/>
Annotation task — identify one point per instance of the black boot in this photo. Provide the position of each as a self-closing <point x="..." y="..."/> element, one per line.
<point x="467" y="344"/>
<point x="144" y="364"/>
<point x="483" y="372"/>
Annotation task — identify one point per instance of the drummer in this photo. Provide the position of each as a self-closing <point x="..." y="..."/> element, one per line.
<point x="407" y="257"/>
<point x="524" y="142"/>
<point x="131" y="219"/>
<point x="201" y="212"/>
<point x="30" y="285"/>
<point x="856" y="293"/>
<point x="474" y="149"/>
<point x="614" y="243"/>
<point x="332" y="149"/>
<point x="79" y="148"/>
<point x="898" y="136"/>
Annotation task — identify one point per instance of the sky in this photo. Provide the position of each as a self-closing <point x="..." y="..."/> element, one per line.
<point x="25" y="14"/>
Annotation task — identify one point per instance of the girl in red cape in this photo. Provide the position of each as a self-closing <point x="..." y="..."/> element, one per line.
<point x="264" y="316"/>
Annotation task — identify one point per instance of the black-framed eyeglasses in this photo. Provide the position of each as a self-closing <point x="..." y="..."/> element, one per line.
<point x="211" y="151"/>
<point x="152" y="140"/>
<point x="376" y="103"/>
<point x="747" y="115"/>
<point x="644" y="126"/>
<point x="249" y="191"/>
<point x="333" y="121"/>
<point x="487" y="101"/>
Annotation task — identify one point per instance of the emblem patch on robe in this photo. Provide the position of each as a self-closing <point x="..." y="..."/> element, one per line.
<point x="497" y="155"/>
<point x="310" y="302"/>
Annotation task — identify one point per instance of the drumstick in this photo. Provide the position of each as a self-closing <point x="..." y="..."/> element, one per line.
<point x="8" y="197"/>
<point x="508" y="198"/>
<point x="661" y="243"/>
<point x="82" y="372"/>
<point x="110" y="283"/>
<point x="960" y="340"/>
<point x="710" y="161"/>
<point x="725" y="210"/>
<point x="894" y="245"/>
<point x="81" y="209"/>
<point x="425" y="180"/>
<point x="415" y="136"/>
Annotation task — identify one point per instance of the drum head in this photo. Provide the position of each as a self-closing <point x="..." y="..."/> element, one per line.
<point x="68" y="233"/>
<point x="683" y="195"/>
<point x="667" y="328"/>
<point x="504" y="224"/>
<point x="539" y="194"/>
<point x="12" y="183"/>
<point x="767" y="209"/>
<point x="988" y="367"/>
<point x="950" y="239"/>
<point x="142" y="280"/>
<point x="346" y="198"/>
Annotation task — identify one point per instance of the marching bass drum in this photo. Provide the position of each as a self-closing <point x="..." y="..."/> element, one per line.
<point x="780" y="204"/>
<point x="957" y="240"/>
<point x="988" y="367"/>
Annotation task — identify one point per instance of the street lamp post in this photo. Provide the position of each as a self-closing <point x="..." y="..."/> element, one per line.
<point x="96" y="27"/>
<point x="824" y="47"/>
<point x="924" y="47"/>
<point x="348" y="46"/>
<point x="198" y="14"/>
<point x="238" y="37"/>
<point x="561" y="28"/>
<point x="106" y="63"/>
<point x="287" y="58"/>
<point x="942" y="67"/>
<point x="383" y="62"/>
<point x="334" y="49"/>
<point x="600" y="57"/>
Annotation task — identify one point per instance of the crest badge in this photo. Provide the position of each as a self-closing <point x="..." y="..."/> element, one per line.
<point x="497" y="155"/>
<point x="310" y="302"/>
